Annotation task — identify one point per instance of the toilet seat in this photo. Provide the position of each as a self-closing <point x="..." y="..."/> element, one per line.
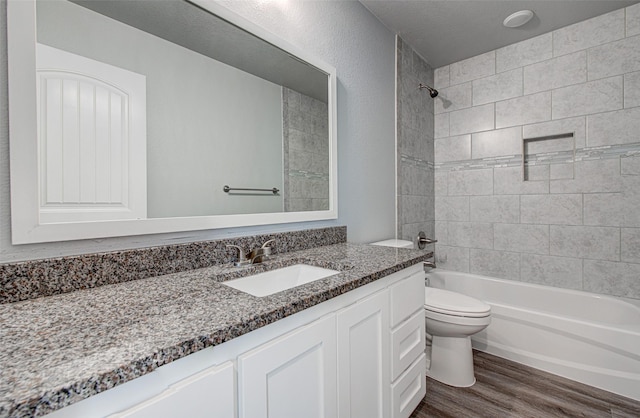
<point x="454" y="304"/>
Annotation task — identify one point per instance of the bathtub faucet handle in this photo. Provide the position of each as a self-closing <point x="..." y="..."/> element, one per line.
<point x="423" y="240"/>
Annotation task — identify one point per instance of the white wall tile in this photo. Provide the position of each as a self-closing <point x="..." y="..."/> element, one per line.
<point x="612" y="128"/>
<point x="632" y="89"/>
<point x="508" y="180"/>
<point x="441" y="125"/>
<point x="583" y="99"/>
<point x="591" y="176"/>
<point x="452" y="208"/>
<point x="616" y="58"/>
<point x="501" y="264"/>
<point x="551" y="209"/>
<point x="470" y="182"/>
<point x="630" y="241"/>
<point x="454" y="148"/>
<point x="603" y="209"/>
<point x="441" y="77"/>
<point x="630" y="166"/>
<point x="593" y="242"/>
<point x="441" y="232"/>
<point x="596" y="31"/>
<point x="631" y="201"/>
<point x="452" y="258"/>
<point x="521" y="238"/>
<point x="494" y="209"/>
<point x="497" y="87"/>
<point x="475" y="67"/>
<point x="440" y="183"/>
<point x="557" y="72"/>
<point x="501" y="142"/>
<point x="633" y="20"/>
<point x="470" y="234"/>
<point x="617" y="279"/>
<point x="453" y="98"/>
<point x="524" y="110"/>
<point x="474" y="119"/>
<point x="524" y="53"/>
<point x="562" y="171"/>
<point x="414" y="208"/>
<point x="556" y="127"/>
<point x="562" y="272"/>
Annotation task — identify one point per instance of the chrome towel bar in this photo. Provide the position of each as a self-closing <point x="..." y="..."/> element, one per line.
<point x="227" y="189"/>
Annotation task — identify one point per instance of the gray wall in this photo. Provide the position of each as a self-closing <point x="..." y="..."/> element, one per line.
<point x="343" y="34"/>
<point x="415" y="144"/>
<point x="574" y="223"/>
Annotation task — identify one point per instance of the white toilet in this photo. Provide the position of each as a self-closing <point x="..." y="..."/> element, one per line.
<point x="451" y="318"/>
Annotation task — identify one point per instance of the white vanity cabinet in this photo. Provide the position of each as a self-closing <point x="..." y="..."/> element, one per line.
<point x="291" y="376"/>
<point x="408" y="360"/>
<point x="210" y="393"/>
<point x="358" y="355"/>
<point x="363" y="358"/>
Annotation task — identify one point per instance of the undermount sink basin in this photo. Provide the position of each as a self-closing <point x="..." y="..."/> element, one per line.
<point x="274" y="281"/>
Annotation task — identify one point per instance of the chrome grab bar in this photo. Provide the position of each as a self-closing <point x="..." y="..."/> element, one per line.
<point x="227" y="189"/>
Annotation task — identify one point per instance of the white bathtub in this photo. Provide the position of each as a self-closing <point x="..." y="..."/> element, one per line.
<point x="582" y="336"/>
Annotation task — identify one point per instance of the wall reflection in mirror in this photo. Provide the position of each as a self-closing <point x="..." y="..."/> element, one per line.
<point x="148" y="109"/>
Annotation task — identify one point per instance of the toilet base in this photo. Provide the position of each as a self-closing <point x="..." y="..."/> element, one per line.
<point x="452" y="361"/>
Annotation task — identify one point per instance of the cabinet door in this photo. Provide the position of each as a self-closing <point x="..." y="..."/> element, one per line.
<point x="292" y="376"/>
<point x="363" y="358"/>
<point x="208" y="394"/>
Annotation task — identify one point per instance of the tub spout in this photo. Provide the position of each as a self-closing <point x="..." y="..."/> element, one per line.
<point x="429" y="264"/>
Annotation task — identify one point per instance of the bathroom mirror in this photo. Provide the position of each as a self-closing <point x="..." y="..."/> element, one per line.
<point x="136" y="117"/>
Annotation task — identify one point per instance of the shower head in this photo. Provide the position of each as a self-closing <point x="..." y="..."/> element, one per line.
<point x="432" y="92"/>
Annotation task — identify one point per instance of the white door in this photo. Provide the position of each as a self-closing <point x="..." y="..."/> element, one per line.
<point x="292" y="376"/>
<point x="364" y="358"/>
<point x="91" y="139"/>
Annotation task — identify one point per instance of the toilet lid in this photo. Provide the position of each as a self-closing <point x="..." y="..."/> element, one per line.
<point x="451" y="303"/>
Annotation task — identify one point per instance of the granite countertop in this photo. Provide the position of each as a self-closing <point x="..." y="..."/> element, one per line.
<point x="60" y="349"/>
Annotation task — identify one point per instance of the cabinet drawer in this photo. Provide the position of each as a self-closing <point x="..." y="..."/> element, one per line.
<point x="409" y="389"/>
<point x="192" y="397"/>
<point x="407" y="343"/>
<point x="407" y="296"/>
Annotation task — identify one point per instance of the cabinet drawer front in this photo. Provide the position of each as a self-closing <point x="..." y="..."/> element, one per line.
<point x="192" y="397"/>
<point x="407" y="297"/>
<point x="407" y="343"/>
<point x="409" y="389"/>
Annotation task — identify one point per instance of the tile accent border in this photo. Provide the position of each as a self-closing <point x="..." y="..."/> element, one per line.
<point x="37" y="278"/>
<point x="556" y="157"/>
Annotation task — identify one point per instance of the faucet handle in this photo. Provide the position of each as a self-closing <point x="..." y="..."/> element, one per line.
<point x="241" y="254"/>
<point x="268" y="242"/>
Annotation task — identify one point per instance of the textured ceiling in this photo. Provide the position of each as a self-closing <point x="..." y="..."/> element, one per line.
<point x="446" y="31"/>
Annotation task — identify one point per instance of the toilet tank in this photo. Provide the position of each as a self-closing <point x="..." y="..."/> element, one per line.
<point x="396" y="243"/>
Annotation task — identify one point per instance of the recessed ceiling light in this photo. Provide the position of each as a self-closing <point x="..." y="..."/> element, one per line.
<point x="517" y="19"/>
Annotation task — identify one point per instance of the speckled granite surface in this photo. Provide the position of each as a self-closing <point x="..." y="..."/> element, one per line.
<point x="33" y="279"/>
<point x="63" y="348"/>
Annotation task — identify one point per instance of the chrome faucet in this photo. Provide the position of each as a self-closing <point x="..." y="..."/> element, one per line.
<point x="255" y="256"/>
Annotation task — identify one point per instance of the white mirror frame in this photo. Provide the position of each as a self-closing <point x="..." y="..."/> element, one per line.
<point x="25" y="223"/>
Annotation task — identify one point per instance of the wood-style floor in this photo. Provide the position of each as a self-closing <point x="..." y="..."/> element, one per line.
<point x="507" y="389"/>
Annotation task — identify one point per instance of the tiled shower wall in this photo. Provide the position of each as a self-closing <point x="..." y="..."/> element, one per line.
<point x="575" y="221"/>
<point x="415" y="144"/>
<point x="306" y="152"/>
